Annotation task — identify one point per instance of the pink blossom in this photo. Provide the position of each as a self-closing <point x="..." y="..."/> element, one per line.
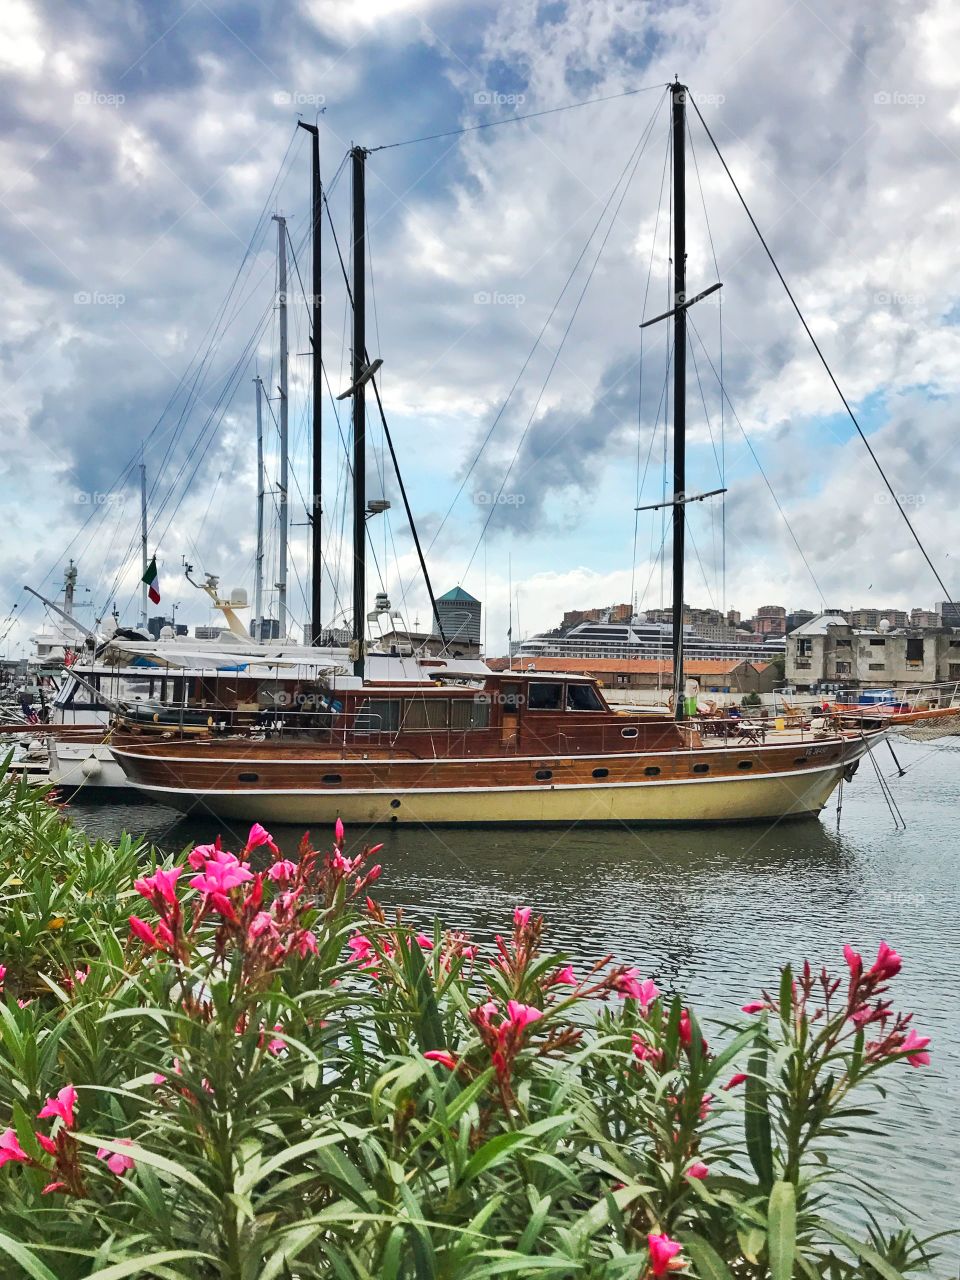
<point x="159" y="1078"/>
<point x="338" y="832"/>
<point x="854" y="961"/>
<point x="753" y="1006"/>
<point x="565" y="977"/>
<point x="202" y="852"/>
<point x="3" y="973"/>
<point x="486" y="1011"/>
<point x="162" y="884"/>
<point x="628" y="984"/>
<point x="53" y="1186"/>
<point x="443" y="1057"/>
<point x="887" y="964"/>
<point x="275" y="1046"/>
<point x="140" y="929"/>
<point x="259" y="836"/>
<point x="221" y="873"/>
<point x="81" y="975"/>
<point x="521" y="917"/>
<point x="648" y="992"/>
<point x="23" y="1004"/>
<point x="361" y="947"/>
<point x="643" y="1051"/>
<point x="48" y="1144"/>
<point x="282" y="871"/>
<point x="424" y="942"/>
<point x="914" y="1047"/>
<point x="662" y="1249"/>
<point x="307" y="943"/>
<point x="697" y="1170"/>
<point x="116" y="1162"/>
<point x="521" y="1015"/>
<point x="735" y="1080"/>
<point x="61" y="1106"/>
<point x="10" y="1148"/>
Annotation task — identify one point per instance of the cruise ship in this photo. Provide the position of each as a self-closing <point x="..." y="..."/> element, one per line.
<point x="641" y="638"/>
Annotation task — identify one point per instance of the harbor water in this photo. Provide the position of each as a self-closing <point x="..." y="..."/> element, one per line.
<point x="713" y="913"/>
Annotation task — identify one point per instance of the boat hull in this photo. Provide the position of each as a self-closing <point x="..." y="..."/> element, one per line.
<point x="799" y="792"/>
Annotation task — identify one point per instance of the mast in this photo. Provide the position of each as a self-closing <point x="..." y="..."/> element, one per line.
<point x="144" y="589"/>
<point x="316" y="301"/>
<point x="284" y="514"/>
<point x="358" y="157"/>
<point x="258" y="563"/>
<point x="678" y="96"/>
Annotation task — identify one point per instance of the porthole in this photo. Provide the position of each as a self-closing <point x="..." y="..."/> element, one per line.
<point x="800" y="760"/>
<point x="248" y="777"/>
<point x="701" y="768"/>
<point x="543" y="775"/>
<point x="601" y="773"/>
<point x="331" y="778"/>
<point x="629" y="733"/>
<point x="744" y="764"/>
<point x="394" y="804"/>
<point x="651" y="771"/>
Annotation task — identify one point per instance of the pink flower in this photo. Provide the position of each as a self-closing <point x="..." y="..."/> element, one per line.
<point x="521" y="917"/>
<point x="53" y="1186"/>
<point x="735" y="1080"/>
<point x="486" y="1011"/>
<point x="887" y="964"/>
<point x="307" y="944"/>
<point x="115" y="1161"/>
<point x="338" y="832"/>
<point x="48" y="1144"/>
<point x="162" y="884"/>
<point x="360" y="946"/>
<point x="648" y="992"/>
<point x="262" y="923"/>
<point x="662" y="1249"/>
<point x="10" y="1148"/>
<point x="159" y="1078"/>
<point x="3" y="973"/>
<point x="697" y="1170"/>
<point x="140" y="929"/>
<point x="753" y="1006"/>
<point x="521" y="1015"/>
<point x="628" y="984"/>
<point x="564" y="977"/>
<point x="259" y="836"/>
<point x="202" y="852"/>
<point x="443" y="1057"/>
<point x="643" y="1051"/>
<point x="282" y="871"/>
<point x="854" y="961"/>
<point x="914" y="1047"/>
<point x="424" y="942"/>
<point x="221" y="873"/>
<point x="62" y="1106"/>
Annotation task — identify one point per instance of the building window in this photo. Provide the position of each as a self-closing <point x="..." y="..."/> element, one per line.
<point x="877" y="641"/>
<point x="915" y="649"/>
<point x="804" y="648"/>
<point x="843" y="643"/>
<point x="955" y="670"/>
<point x="843" y="668"/>
<point x="878" y="666"/>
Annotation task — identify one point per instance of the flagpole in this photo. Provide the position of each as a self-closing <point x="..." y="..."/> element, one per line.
<point x="143" y="543"/>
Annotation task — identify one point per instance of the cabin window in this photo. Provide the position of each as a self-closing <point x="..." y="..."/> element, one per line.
<point x="469" y="713"/>
<point x="511" y="697"/>
<point x="915" y="649"/>
<point x="378" y="715"/>
<point x="544" y="697"/>
<point x="583" y="697"/>
<point x="425" y="713"/>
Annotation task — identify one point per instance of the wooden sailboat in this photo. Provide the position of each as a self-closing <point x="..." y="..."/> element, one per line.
<point x="462" y="748"/>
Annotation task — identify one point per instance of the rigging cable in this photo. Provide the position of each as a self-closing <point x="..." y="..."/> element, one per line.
<point x="823" y="361"/>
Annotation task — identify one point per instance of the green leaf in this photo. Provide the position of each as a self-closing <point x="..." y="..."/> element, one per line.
<point x="142" y="1156"/>
<point x="708" y="1263"/>
<point x="137" y="1266"/>
<point x="21" y="1254"/>
<point x="863" y="1252"/>
<point x="756" y="1118"/>
<point x="782" y="1230"/>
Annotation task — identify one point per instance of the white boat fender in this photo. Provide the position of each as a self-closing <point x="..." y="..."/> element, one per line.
<point x="91" y="767"/>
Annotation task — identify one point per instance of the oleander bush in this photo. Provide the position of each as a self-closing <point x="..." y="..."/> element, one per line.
<point x="236" y="1066"/>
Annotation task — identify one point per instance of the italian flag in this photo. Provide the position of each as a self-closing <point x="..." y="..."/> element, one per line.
<point x="150" y="578"/>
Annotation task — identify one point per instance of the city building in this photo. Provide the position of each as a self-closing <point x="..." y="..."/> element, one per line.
<point x="924" y="618"/>
<point x="157" y="623"/>
<point x="202" y="632"/>
<point x="828" y="652"/>
<point x="949" y="614"/>
<point x="269" y="629"/>
<point x="402" y="643"/>
<point x="727" y="677"/>
<point x="771" y="620"/>
<point x="798" y="617"/>
<point x="459" y="618"/>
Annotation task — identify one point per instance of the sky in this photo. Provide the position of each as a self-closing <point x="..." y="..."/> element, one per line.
<point x="146" y="147"/>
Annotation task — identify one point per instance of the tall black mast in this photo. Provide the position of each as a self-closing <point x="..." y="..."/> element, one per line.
<point x="678" y="96"/>
<point x="358" y="156"/>
<point x="316" y="301"/>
